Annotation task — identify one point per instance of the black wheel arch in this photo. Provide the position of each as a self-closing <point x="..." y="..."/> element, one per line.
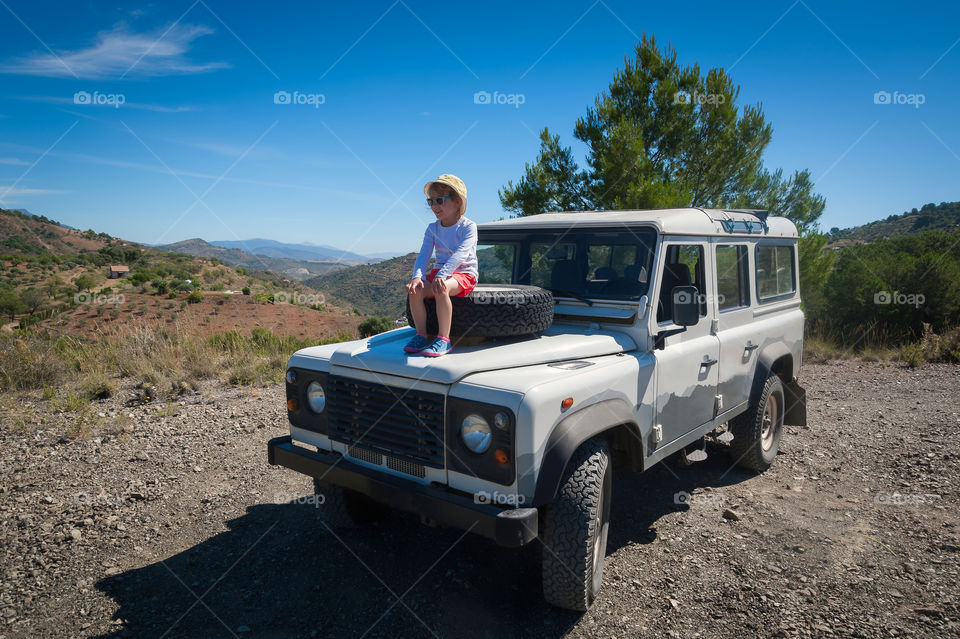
<point x="612" y="418"/>
<point x="776" y="359"/>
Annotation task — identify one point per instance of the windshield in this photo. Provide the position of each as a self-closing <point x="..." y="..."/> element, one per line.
<point x="594" y="264"/>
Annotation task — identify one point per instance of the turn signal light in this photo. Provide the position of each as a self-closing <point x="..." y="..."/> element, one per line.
<point x="501" y="456"/>
<point x="293" y="405"/>
<point x="567" y="403"/>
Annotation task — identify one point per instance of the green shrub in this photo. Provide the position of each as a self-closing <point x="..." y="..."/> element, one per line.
<point x="375" y="326"/>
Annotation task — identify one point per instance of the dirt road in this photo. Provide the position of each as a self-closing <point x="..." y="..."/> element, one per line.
<point x="175" y="526"/>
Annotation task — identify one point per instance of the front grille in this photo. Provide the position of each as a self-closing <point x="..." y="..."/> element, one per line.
<point x="405" y="467"/>
<point x="406" y="425"/>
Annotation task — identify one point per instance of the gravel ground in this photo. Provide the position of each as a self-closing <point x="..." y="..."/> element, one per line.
<point x="174" y="525"/>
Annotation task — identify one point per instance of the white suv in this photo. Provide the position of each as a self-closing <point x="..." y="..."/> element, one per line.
<point x="660" y="328"/>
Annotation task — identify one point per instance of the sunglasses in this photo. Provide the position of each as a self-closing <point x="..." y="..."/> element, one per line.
<point x="437" y="200"/>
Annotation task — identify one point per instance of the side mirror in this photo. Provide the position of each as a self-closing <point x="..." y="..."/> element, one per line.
<point x="685" y="302"/>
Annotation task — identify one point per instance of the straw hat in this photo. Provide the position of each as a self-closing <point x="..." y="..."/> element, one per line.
<point x="453" y="182"/>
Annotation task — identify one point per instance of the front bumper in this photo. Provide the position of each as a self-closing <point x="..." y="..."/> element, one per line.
<point x="507" y="527"/>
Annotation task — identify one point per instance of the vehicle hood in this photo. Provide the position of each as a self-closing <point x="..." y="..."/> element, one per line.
<point x="384" y="353"/>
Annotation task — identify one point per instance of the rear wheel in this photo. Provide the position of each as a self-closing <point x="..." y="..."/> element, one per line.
<point x="575" y="529"/>
<point x="344" y="508"/>
<point x="757" y="432"/>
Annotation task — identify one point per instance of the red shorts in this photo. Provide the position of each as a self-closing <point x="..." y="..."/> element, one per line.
<point x="466" y="281"/>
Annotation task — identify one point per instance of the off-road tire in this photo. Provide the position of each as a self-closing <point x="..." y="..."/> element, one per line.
<point x="757" y="432"/>
<point x="495" y="310"/>
<point x="344" y="508"/>
<point x="575" y="529"/>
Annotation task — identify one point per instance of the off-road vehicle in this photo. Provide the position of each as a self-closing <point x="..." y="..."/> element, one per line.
<point x="594" y="339"/>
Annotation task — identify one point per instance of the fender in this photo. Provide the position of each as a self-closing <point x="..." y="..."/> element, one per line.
<point x="573" y="430"/>
<point x="795" y="411"/>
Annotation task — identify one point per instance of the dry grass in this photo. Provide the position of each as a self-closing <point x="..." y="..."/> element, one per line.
<point x="161" y="362"/>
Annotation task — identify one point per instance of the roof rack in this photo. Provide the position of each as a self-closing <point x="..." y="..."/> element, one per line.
<point x="731" y="226"/>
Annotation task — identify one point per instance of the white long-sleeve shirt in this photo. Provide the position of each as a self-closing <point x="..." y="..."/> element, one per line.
<point x="456" y="248"/>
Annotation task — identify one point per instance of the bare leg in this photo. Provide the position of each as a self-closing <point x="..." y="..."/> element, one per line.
<point x="419" y="311"/>
<point x="445" y="307"/>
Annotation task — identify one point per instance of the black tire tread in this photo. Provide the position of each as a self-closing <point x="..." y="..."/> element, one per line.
<point x="478" y="315"/>
<point x="569" y="524"/>
<point x="747" y="427"/>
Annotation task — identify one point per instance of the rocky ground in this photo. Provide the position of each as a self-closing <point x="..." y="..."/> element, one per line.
<point x="171" y="524"/>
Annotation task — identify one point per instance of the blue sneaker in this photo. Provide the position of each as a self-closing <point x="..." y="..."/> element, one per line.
<point x="440" y="346"/>
<point x="417" y="344"/>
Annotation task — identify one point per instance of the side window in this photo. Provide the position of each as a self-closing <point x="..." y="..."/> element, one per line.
<point x="733" y="289"/>
<point x="683" y="266"/>
<point x="775" y="272"/>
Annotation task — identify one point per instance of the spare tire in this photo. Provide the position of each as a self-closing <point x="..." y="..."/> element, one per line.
<point x="495" y="310"/>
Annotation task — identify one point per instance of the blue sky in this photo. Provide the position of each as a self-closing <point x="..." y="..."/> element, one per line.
<point x="158" y="122"/>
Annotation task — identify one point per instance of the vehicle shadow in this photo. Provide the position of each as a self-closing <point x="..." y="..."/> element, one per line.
<point x="279" y="572"/>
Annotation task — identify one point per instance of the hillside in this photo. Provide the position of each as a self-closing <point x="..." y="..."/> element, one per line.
<point x="57" y="279"/>
<point x="30" y="234"/>
<point x="374" y="289"/>
<point x="941" y="217"/>
<point x="289" y="268"/>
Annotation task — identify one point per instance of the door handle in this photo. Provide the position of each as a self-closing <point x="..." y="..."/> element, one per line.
<point x="751" y="347"/>
<point x="708" y="362"/>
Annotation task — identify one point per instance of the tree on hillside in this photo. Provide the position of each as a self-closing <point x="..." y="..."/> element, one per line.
<point x="665" y="135"/>
<point x="84" y="282"/>
<point x="10" y="303"/>
<point x="33" y="299"/>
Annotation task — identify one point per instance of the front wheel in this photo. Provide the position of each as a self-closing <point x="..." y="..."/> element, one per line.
<point x="575" y="529"/>
<point x="757" y="432"/>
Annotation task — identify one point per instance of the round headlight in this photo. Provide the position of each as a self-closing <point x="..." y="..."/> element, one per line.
<point x="475" y="432"/>
<point x="316" y="398"/>
<point x="501" y="420"/>
<point x="291" y="376"/>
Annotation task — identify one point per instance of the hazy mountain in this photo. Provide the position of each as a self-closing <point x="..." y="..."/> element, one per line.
<point x="291" y="268"/>
<point x="375" y="289"/>
<point x="304" y="251"/>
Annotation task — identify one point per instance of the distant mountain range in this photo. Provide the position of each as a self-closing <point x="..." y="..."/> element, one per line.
<point x="293" y="269"/>
<point x="305" y="251"/>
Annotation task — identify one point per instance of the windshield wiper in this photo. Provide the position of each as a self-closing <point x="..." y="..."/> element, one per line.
<point x="573" y="295"/>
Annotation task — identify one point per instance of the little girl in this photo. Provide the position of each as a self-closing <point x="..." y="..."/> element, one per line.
<point x="454" y="238"/>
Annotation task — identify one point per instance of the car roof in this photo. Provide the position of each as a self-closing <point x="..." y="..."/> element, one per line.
<point x="686" y="221"/>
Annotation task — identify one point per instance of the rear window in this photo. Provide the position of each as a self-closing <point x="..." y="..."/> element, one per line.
<point x="776" y="275"/>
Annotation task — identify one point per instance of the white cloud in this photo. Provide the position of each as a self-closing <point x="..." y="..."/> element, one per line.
<point x="12" y="191"/>
<point x="121" y="52"/>
<point x="14" y="161"/>
<point x="106" y="107"/>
